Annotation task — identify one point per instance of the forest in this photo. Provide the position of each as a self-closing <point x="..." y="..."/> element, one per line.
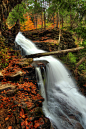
<point x="56" y="26"/>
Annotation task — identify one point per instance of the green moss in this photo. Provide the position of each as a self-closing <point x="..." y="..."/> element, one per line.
<point x="71" y="58"/>
<point x="82" y="66"/>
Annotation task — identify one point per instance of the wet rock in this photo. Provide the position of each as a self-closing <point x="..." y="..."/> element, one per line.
<point x="14" y="75"/>
<point x="78" y="126"/>
<point x="66" y="42"/>
<point x="47" y="124"/>
<point x="6" y="86"/>
<point x="24" y="62"/>
<point x="1" y="75"/>
<point x="11" y="92"/>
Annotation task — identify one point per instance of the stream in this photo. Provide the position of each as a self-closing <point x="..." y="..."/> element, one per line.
<point x="64" y="105"/>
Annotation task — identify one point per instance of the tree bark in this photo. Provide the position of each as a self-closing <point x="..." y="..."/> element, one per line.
<point x="41" y="16"/>
<point x="54" y="52"/>
<point x="59" y="32"/>
<point x="44" y="20"/>
<point x="77" y="65"/>
<point x="53" y="21"/>
<point x="57" y="21"/>
<point x="62" y="22"/>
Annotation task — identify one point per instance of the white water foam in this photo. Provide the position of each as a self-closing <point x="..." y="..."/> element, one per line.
<point x="62" y="98"/>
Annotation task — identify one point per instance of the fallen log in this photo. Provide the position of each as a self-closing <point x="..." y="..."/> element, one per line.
<point x="82" y="60"/>
<point x="77" y="65"/>
<point x="54" y="52"/>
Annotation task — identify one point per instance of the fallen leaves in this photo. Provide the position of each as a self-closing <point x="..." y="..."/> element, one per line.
<point x="22" y="115"/>
<point x="10" y="127"/>
<point x="17" y="104"/>
<point x="25" y="99"/>
<point x="6" y="118"/>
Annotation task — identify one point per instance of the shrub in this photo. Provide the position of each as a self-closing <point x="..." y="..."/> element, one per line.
<point x="71" y="58"/>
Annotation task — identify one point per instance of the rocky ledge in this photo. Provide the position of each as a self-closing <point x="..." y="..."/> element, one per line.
<point x="20" y="100"/>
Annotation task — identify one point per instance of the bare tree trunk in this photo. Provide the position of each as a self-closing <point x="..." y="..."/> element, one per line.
<point x="57" y="21"/>
<point x="70" y="18"/>
<point x="53" y="21"/>
<point x="62" y="22"/>
<point x="41" y="16"/>
<point x="44" y="19"/>
<point x="54" y="52"/>
<point x="59" y="32"/>
<point x="70" y="21"/>
<point x="35" y="17"/>
<point x="36" y="21"/>
<point x="77" y="65"/>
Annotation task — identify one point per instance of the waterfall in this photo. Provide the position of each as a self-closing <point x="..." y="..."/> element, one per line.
<point x="64" y="105"/>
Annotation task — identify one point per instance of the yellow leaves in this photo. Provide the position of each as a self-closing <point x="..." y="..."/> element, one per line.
<point x="27" y="25"/>
<point x="10" y="127"/>
<point x="6" y="118"/>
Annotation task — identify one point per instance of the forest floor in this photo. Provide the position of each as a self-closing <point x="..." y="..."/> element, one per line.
<point x="20" y="100"/>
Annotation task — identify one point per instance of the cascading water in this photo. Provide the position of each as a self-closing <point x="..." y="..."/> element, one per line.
<point x="63" y="104"/>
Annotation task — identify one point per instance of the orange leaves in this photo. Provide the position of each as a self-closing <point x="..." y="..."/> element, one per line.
<point x="25" y="123"/>
<point x="22" y="123"/>
<point x="1" y="105"/>
<point x="22" y="113"/>
<point x="84" y="85"/>
<point x="4" y="99"/>
<point x="24" y="100"/>
<point x="29" y="104"/>
<point x="6" y="118"/>
<point x="10" y="127"/>
<point x="38" y="123"/>
<point x="27" y="25"/>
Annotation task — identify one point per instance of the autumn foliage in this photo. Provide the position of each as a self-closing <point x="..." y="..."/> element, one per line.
<point x="20" y="103"/>
<point x="27" y="25"/>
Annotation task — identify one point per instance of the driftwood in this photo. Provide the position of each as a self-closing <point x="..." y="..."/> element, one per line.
<point x="54" y="52"/>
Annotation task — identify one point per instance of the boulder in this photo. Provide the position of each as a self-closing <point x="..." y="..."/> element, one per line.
<point x="6" y="86"/>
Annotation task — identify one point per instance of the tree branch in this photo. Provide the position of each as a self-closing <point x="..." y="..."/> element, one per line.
<point x="54" y="52"/>
<point x="82" y="60"/>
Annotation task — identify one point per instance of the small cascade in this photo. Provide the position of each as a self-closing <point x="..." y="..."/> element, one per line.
<point x="64" y="105"/>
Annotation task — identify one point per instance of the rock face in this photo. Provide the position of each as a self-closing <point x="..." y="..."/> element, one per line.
<point x="20" y="101"/>
<point x="21" y="107"/>
<point x="48" y="39"/>
<point x="24" y="62"/>
<point x="6" y="86"/>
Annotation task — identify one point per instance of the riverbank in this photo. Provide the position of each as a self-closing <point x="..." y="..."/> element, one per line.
<point x="20" y="101"/>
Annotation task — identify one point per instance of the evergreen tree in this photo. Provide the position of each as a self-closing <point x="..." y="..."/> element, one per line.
<point x="5" y="8"/>
<point x="17" y="14"/>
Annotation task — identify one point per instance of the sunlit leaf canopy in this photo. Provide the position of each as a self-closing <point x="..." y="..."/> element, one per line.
<point x="17" y="13"/>
<point x="72" y="12"/>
